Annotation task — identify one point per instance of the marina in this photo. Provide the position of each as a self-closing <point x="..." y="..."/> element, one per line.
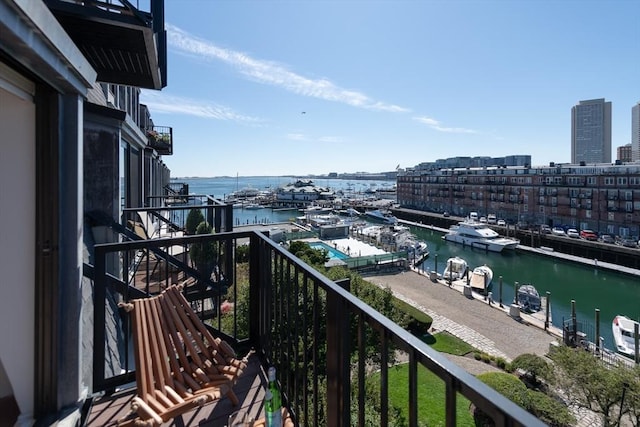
<point x="592" y="284"/>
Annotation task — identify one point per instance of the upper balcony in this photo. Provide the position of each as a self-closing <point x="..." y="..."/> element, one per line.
<point x="333" y="353"/>
<point x="161" y="139"/>
<point x="123" y="44"/>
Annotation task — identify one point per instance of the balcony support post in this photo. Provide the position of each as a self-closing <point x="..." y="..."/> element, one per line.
<point x="338" y="356"/>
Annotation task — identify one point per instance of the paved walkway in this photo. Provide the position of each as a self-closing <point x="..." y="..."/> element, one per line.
<point x="488" y="328"/>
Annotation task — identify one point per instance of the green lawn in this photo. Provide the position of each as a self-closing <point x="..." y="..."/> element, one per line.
<point x="431" y="390"/>
<point x="431" y="397"/>
<point x="444" y="342"/>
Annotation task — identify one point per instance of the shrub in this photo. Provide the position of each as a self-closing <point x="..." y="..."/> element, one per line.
<point x="477" y="355"/>
<point x="203" y="254"/>
<point x="507" y="385"/>
<point x="534" y="367"/>
<point x="194" y="219"/>
<point x="486" y="358"/>
<point x="548" y="409"/>
<point x="501" y="362"/>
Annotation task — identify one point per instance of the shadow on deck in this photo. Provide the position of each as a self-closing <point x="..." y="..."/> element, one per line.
<point x="108" y="409"/>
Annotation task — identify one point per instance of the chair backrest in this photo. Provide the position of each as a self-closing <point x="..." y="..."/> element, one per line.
<point x="174" y="347"/>
<point x="148" y="223"/>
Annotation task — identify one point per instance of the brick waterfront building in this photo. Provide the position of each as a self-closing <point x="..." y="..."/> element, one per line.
<point x="601" y="197"/>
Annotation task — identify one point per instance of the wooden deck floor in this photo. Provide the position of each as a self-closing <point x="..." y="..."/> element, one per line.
<point x="107" y="410"/>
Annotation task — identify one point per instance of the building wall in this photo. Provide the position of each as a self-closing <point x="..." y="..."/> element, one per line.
<point x="591" y="132"/>
<point x="605" y="198"/>
<point x="624" y="153"/>
<point x="17" y="236"/>
<point x="635" y="132"/>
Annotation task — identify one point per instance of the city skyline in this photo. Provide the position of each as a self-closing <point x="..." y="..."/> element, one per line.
<point x="277" y="88"/>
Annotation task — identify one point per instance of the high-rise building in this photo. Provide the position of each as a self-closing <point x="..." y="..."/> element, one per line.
<point x="591" y="132"/>
<point x="624" y="153"/>
<point x="635" y="132"/>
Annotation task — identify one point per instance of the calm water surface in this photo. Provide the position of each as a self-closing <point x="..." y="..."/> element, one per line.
<point x="611" y="292"/>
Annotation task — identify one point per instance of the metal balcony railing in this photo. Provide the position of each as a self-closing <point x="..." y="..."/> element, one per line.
<point x="324" y="341"/>
<point x="161" y="139"/>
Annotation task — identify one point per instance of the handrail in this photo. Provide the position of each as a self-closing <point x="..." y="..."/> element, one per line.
<point x="297" y="321"/>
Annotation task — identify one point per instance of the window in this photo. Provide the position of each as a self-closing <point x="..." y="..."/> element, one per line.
<point x="608" y="180"/>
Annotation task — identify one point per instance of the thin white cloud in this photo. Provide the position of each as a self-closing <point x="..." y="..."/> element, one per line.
<point x="297" y="137"/>
<point x="160" y="103"/>
<point x="330" y="139"/>
<point x="307" y="138"/>
<point x="269" y="72"/>
<point x="435" y="125"/>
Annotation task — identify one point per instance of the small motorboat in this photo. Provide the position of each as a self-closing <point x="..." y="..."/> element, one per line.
<point x="481" y="277"/>
<point x="529" y="298"/>
<point x="455" y="269"/>
<point x="623" y="330"/>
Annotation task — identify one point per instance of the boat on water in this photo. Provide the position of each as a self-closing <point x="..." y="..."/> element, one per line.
<point x="316" y="210"/>
<point x="479" y="235"/>
<point x="379" y="215"/>
<point x="481" y="277"/>
<point x="529" y="299"/>
<point x="455" y="269"/>
<point x="623" y="330"/>
<point x="253" y="206"/>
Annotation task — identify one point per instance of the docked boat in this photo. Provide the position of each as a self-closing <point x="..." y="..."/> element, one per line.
<point x="529" y="298"/>
<point x="481" y="277"/>
<point x="623" y="330"/>
<point x="381" y="216"/>
<point x="316" y="210"/>
<point x="479" y="235"/>
<point x="455" y="269"/>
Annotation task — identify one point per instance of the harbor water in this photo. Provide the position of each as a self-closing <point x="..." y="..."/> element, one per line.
<point x="591" y="288"/>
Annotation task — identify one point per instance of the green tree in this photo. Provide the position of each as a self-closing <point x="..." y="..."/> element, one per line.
<point x="591" y="383"/>
<point x="194" y="219"/>
<point x="632" y="397"/>
<point x="314" y="257"/>
<point x="534" y="367"/>
<point x="203" y="254"/>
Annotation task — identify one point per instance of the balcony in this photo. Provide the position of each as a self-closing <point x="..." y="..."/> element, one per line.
<point x="161" y="139"/>
<point x="124" y="45"/>
<point x="291" y="316"/>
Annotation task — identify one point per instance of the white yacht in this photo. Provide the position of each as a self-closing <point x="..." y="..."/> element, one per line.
<point x="455" y="269"/>
<point x="479" y="235"/>
<point x="481" y="277"/>
<point x="384" y="217"/>
<point x="623" y="330"/>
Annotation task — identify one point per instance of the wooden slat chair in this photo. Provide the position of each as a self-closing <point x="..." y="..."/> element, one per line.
<point x="179" y="364"/>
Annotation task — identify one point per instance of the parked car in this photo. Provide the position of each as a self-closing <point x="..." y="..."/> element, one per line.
<point x="607" y="238"/>
<point x="545" y="229"/>
<point x="558" y="231"/>
<point x="629" y="242"/>
<point x="483" y="219"/>
<point x="446" y="214"/>
<point x="501" y="223"/>
<point x="588" y="235"/>
<point x="491" y="219"/>
<point x="573" y="233"/>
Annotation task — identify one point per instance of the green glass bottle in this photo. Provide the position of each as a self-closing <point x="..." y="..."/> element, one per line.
<point x="273" y="401"/>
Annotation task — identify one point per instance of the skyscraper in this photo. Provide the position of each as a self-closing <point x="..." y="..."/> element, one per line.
<point x="635" y="132"/>
<point x="591" y="132"/>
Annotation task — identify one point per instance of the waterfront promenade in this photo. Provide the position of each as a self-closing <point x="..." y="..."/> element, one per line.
<point x="488" y="328"/>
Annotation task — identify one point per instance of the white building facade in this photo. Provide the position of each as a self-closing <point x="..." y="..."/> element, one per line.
<point x="591" y="132"/>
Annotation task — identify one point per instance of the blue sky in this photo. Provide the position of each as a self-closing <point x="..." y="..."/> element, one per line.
<point x="318" y="86"/>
